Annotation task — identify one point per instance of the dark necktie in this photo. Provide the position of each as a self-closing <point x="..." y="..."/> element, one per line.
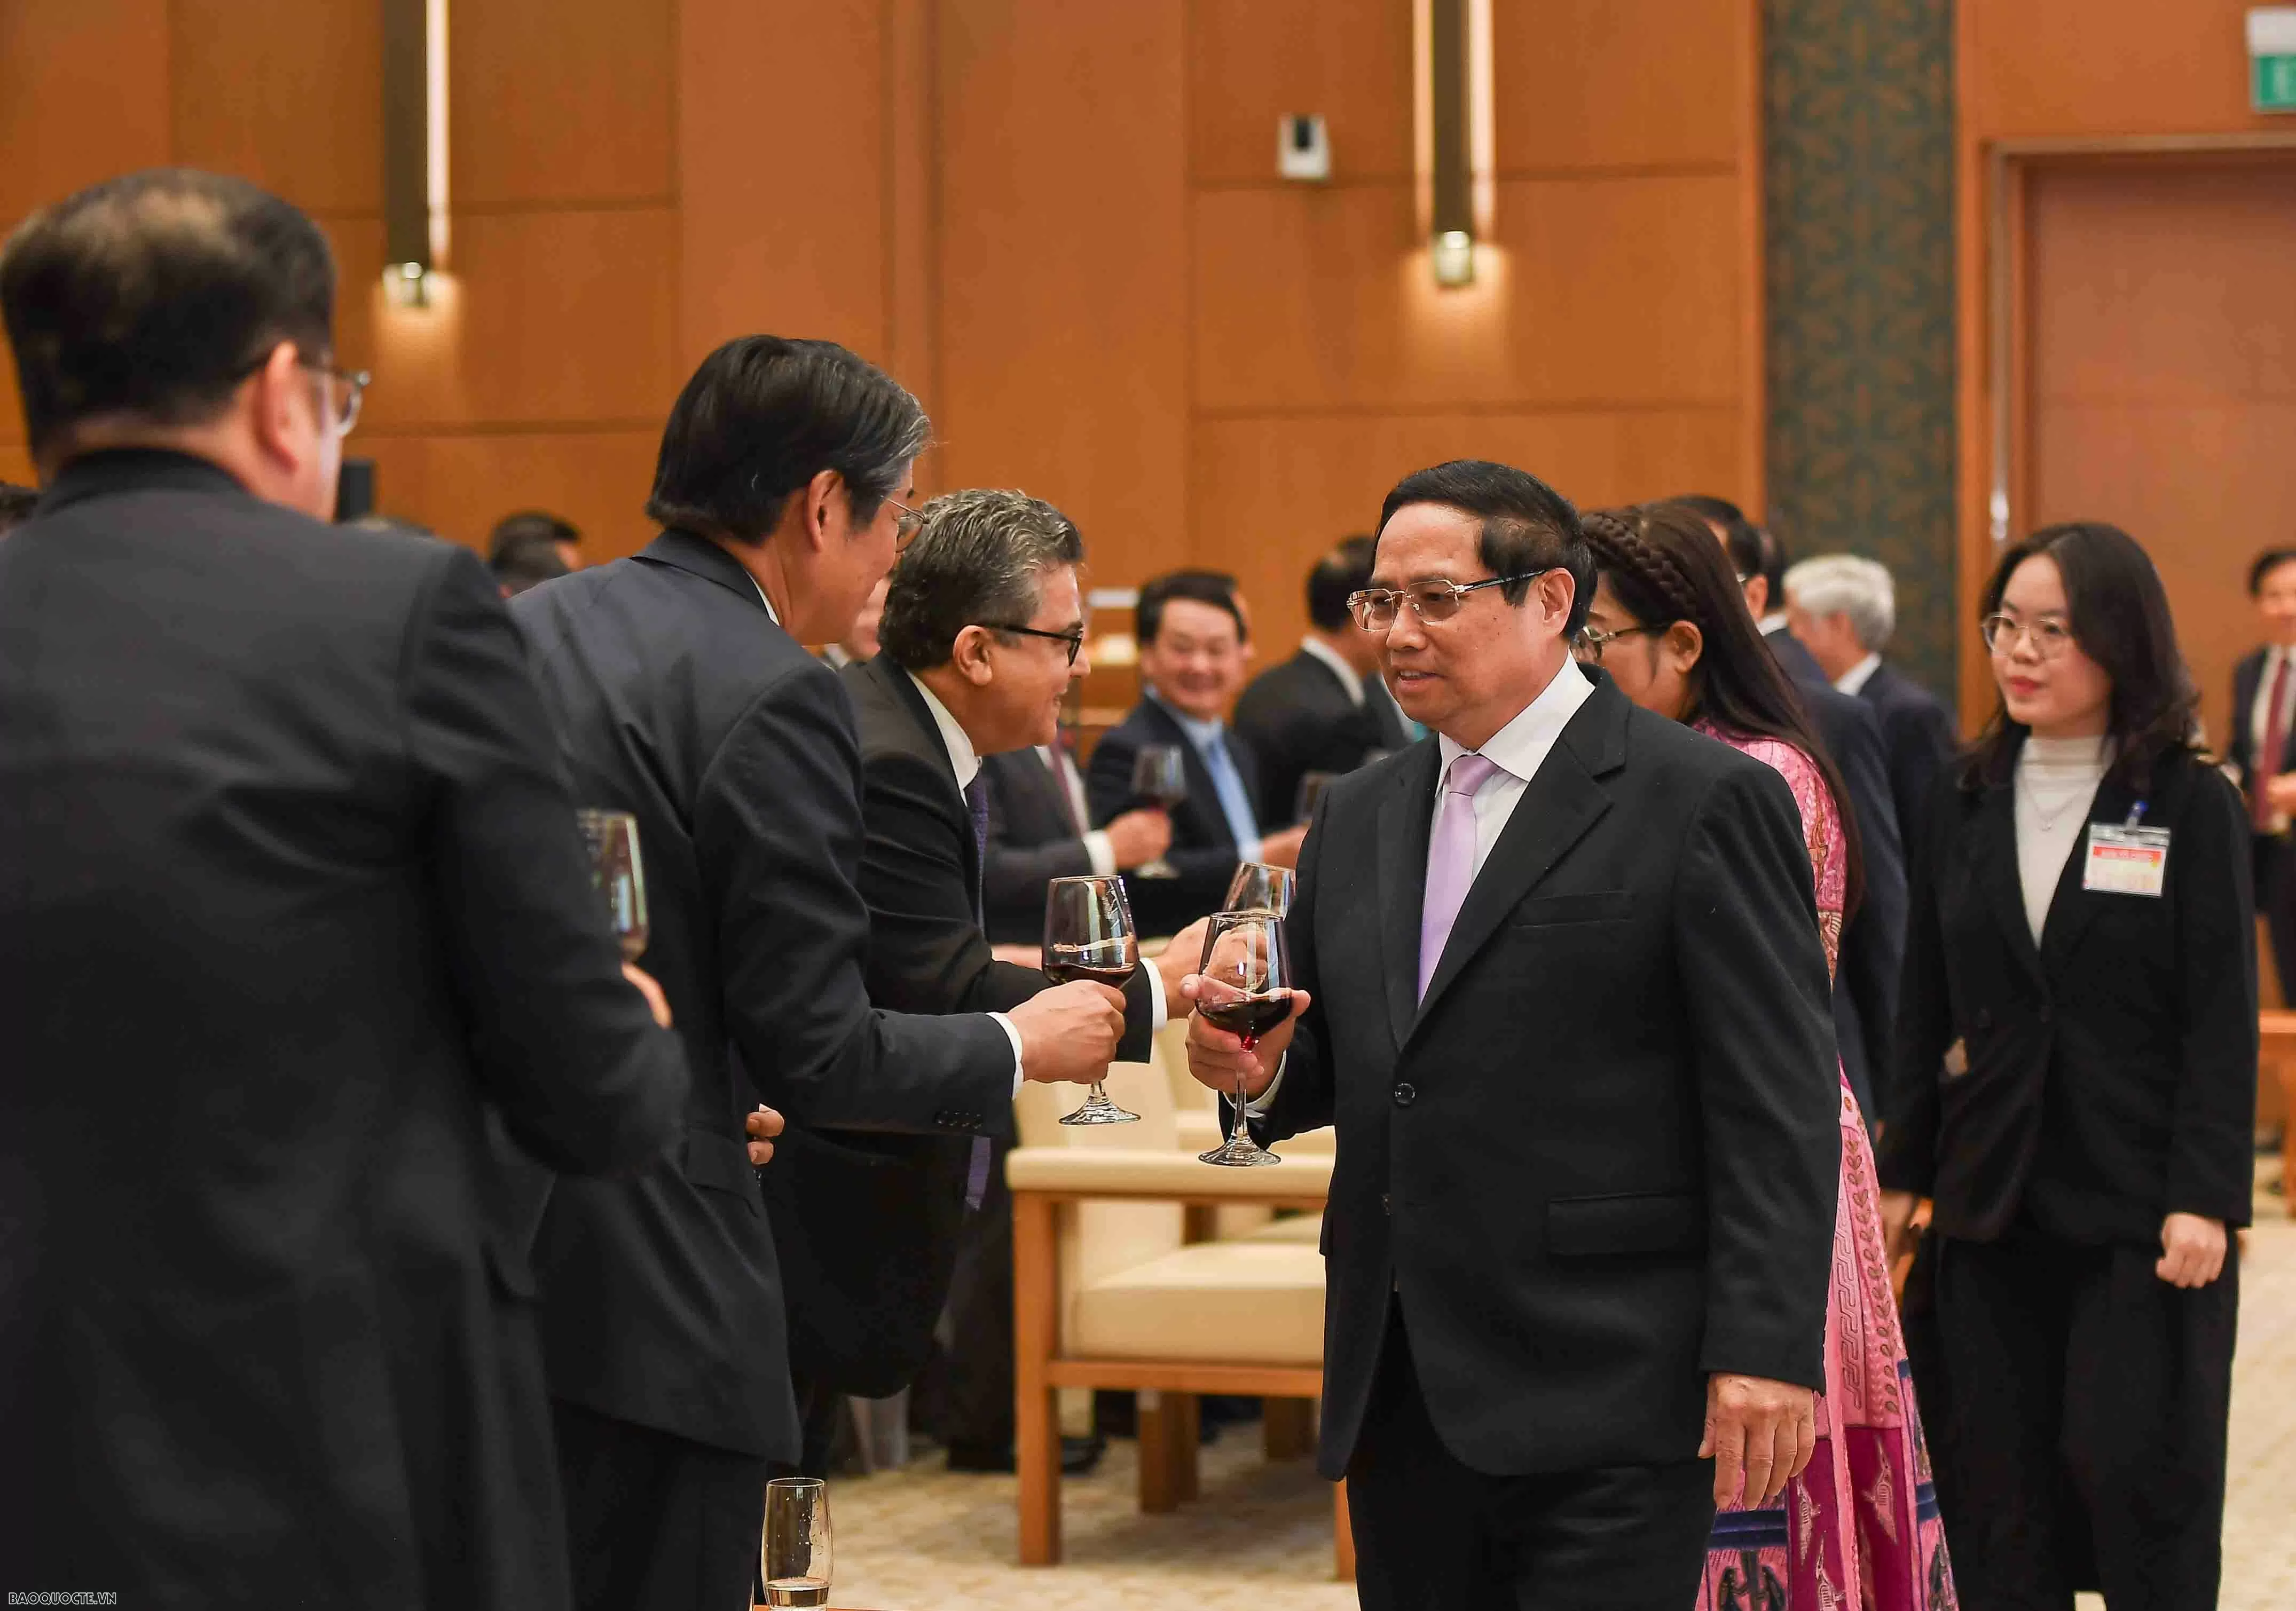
<point x="2269" y="759"/>
<point x="976" y="801"/>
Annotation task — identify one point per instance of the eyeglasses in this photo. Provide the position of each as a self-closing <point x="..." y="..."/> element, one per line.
<point x="2049" y="636"/>
<point x="1593" y="640"/>
<point x="346" y="387"/>
<point x="1074" y="639"/>
<point x="906" y="524"/>
<point x="1437" y="600"/>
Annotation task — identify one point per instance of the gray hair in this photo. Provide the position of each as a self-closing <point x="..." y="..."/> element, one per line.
<point x="1848" y="585"/>
<point x="979" y="559"/>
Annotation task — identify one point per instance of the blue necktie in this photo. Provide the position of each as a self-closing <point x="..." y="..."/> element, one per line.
<point x="1229" y="784"/>
<point x="976" y="801"/>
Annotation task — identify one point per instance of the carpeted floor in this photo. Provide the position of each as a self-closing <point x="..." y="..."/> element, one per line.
<point x="1259" y="1539"/>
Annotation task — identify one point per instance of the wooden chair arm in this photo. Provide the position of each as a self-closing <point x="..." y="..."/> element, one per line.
<point x="1156" y="1174"/>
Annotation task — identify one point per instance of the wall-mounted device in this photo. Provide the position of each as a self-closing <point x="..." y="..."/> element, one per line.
<point x="1303" y="148"/>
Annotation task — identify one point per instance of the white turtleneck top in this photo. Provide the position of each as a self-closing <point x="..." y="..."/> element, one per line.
<point x="2056" y="779"/>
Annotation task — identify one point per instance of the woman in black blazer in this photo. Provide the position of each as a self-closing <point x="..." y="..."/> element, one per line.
<point x="2075" y="1088"/>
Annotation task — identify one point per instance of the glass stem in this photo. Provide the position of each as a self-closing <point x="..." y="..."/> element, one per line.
<point x="1241" y="1132"/>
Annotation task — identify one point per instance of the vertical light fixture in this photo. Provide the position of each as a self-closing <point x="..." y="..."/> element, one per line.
<point x="413" y="147"/>
<point x="1449" y="104"/>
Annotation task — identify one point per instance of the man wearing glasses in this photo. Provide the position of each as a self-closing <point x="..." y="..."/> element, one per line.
<point x="1562" y="997"/>
<point x="292" y="905"/>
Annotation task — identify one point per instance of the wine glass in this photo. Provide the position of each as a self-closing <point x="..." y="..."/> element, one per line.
<point x="1160" y="776"/>
<point x="796" y="1555"/>
<point x="1088" y="934"/>
<point x="1245" y="989"/>
<point x="619" y="874"/>
<point x="1312" y="785"/>
<point x="1258" y="887"/>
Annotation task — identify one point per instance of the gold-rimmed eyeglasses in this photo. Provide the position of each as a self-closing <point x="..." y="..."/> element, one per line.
<point x="1436" y="599"/>
<point x="2049" y="636"/>
<point x="1593" y="640"/>
<point x="906" y="524"/>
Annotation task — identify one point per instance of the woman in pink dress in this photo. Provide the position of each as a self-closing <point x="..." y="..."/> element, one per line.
<point x="1858" y="1528"/>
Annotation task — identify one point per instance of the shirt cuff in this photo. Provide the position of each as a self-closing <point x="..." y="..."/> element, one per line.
<point x="1250" y="851"/>
<point x="1013" y="1036"/>
<point x="1158" y="1014"/>
<point x="1101" y="854"/>
<point x="1257" y="1109"/>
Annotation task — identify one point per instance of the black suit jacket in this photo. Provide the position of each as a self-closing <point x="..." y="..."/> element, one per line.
<point x="1296" y="718"/>
<point x="1873" y="945"/>
<point x="293" y="902"/>
<point x="1597" y="1163"/>
<point x="1917" y="738"/>
<point x="1203" y="848"/>
<point x="2240" y="751"/>
<point x="1032" y="839"/>
<point x="2111" y="1071"/>
<point x="679" y="697"/>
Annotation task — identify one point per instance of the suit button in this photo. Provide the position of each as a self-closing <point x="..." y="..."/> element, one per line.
<point x="1405" y="1094"/>
<point x="1385" y="1203"/>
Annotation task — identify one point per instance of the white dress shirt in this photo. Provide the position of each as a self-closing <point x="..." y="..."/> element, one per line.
<point x="1521" y="748"/>
<point x="1350" y="679"/>
<point x="1099" y="851"/>
<point x="1850" y="682"/>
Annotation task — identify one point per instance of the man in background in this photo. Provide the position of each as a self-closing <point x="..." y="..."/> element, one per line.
<point x="1843" y="609"/>
<point x="1873" y="945"/>
<point x="859" y="642"/>
<point x="530" y="548"/>
<point x="2261" y="753"/>
<point x="983" y="634"/>
<point x="293" y="910"/>
<point x="1193" y="639"/>
<point x="16" y="506"/>
<point x="1325" y="709"/>
<point x="674" y="1304"/>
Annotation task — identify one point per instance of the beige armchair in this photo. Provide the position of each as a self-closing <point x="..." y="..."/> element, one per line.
<point x="1109" y="1292"/>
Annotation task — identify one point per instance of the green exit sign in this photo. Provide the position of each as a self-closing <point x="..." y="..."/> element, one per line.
<point x="2272" y="58"/>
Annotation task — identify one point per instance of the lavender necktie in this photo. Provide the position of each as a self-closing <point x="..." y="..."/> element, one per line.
<point x="1450" y="858"/>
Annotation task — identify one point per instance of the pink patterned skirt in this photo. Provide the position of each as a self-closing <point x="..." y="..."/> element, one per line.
<point x="1859" y="1527"/>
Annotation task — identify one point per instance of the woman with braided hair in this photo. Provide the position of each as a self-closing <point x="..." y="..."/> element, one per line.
<point x="1859" y="1526"/>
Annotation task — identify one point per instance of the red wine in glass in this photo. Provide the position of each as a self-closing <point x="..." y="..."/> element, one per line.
<point x="1160" y="776"/>
<point x="1088" y="934"/>
<point x="1244" y="987"/>
<point x="1249" y="1017"/>
<point x="1116" y="977"/>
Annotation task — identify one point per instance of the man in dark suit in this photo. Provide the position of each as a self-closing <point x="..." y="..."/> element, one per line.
<point x="1873" y="945"/>
<point x="682" y="693"/>
<point x="1325" y="710"/>
<point x="983" y="634"/>
<point x="1040" y="828"/>
<point x="1843" y="609"/>
<point x="1565" y="1002"/>
<point x="295" y="911"/>
<point x="2261" y="753"/>
<point x="1192" y="634"/>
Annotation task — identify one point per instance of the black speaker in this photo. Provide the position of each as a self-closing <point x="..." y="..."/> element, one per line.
<point x="355" y="490"/>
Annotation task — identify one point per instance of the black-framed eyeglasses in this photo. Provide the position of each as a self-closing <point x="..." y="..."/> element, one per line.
<point x="906" y="524"/>
<point x="1074" y="639"/>
<point x="1593" y="640"/>
<point x="1436" y="599"/>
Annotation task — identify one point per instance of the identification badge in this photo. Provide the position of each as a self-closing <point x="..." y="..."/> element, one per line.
<point x="2126" y="860"/>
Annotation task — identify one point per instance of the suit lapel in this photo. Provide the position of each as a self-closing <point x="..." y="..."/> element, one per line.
<point x="1997" y="874"/>
<point x="1406" y="816"/>
<point x="1202" y="806"/>
<point x="1556" y="809"/>
<point x="2073" y="905"/>
<point x="893" y="684"/>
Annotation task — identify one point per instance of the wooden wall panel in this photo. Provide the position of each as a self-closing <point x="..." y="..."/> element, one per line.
<point x="1252" y="62"/>
<point x="286" y="93"/>
<point x="1611" y="84"/>
<point x="459" y="486"/>
<point x="781" y="180"/>
<point x="1063" y="266"/>
<point x="84" y="94"/>
<point x="1598" y="290"/>
<point x="563" y="104"/>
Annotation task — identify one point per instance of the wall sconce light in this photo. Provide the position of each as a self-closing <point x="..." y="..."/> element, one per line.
<point x="1449" y="98"/>
<point x="413" y="148"/>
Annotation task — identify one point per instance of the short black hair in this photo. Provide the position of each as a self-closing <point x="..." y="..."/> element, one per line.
<point x="155" y="295"/>
<point x="527" y="560"/>
<point x="16" y="504"/>
<point x="1216" y="588"/>
<point x="530" y="524"/>
<point x="1344" y="570"/>
<point x="763" y="416"/>
<point x="2266" y="562"/>
<point x="1527" y="526"/>
<point x="1754" y="551"/>
<point x="979" y="559"/>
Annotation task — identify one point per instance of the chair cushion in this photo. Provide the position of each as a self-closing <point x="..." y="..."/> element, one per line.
<point x="1217" y="1303"/>
<point x="1306" y="1229"/>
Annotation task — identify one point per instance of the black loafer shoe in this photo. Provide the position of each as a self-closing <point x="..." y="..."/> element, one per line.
<point x="1078" y="1455"/>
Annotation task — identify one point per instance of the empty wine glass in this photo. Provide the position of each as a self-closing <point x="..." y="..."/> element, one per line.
<point x="1160" y="776"/>
<point x="1088" y="934"/>
<point x="795" y="1556"/>
<point x="1312" y="785"/>
<point x="619" y="874"/>
<point x="1245" y="988"/>
<point x="1258" y="887"/>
